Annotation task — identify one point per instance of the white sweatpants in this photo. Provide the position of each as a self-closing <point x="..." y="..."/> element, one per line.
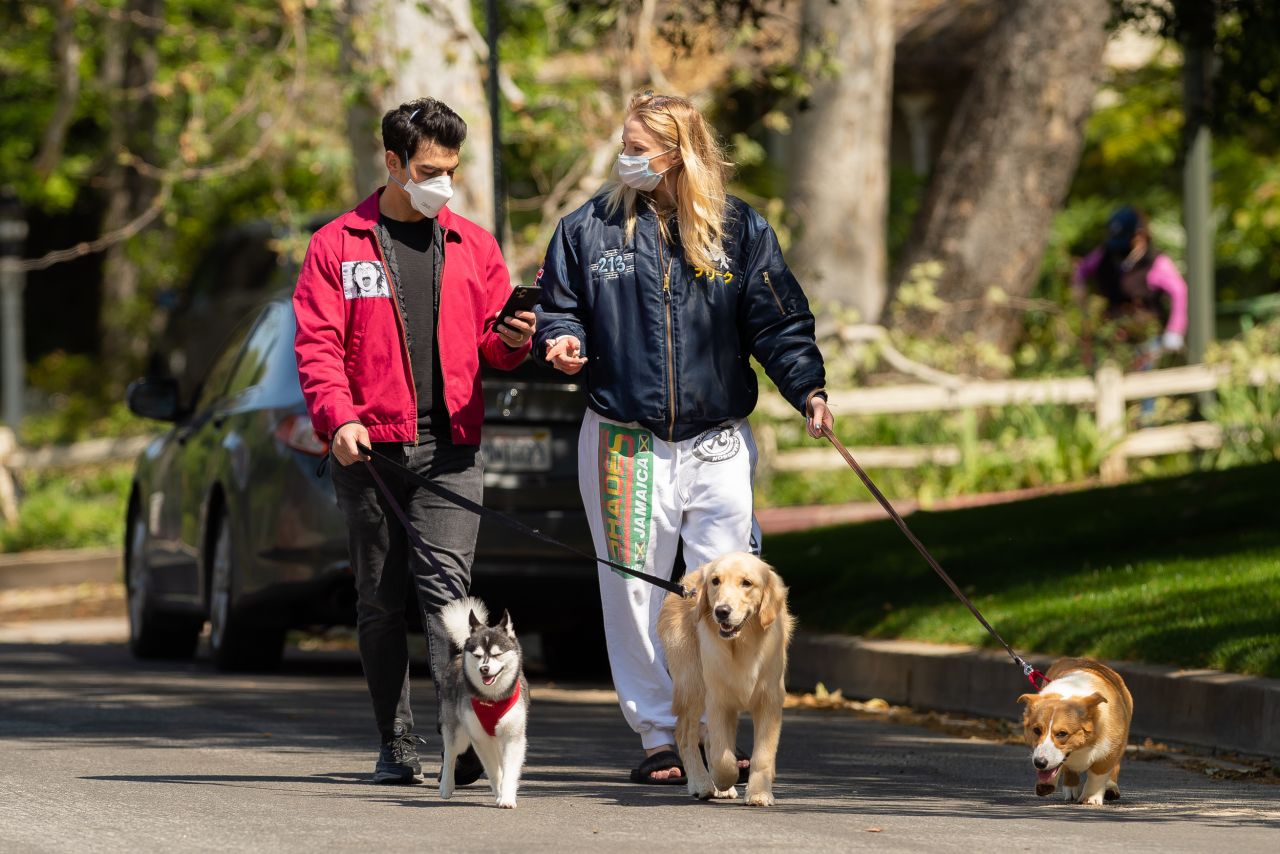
<point x="642" y="496"/>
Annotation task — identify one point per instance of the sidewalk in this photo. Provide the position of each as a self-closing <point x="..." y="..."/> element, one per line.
<point x="1206" y="708"/>
<point x="68" y="566"/>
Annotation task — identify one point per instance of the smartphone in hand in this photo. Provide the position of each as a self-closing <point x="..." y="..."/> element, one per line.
<point x="523" y="298"/>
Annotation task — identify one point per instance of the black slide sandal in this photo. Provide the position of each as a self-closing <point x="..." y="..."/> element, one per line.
<point x="660" y="761"/>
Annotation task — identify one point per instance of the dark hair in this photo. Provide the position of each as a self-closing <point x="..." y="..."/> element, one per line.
<point x="1123" y="226"/>
<point x="424" y="120"/>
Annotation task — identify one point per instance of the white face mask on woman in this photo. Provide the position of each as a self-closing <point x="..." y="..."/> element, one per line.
<point x="429" y="196"/>
<point x="633" y="170"/>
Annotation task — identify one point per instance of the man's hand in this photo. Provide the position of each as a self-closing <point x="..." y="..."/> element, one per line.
<point x="819" y="416"/>
<point x="344" y="444"/>
<point x="564" y="355"/>
<point x="516" y="329"/>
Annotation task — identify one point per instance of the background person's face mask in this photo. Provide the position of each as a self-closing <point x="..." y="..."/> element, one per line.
<point x="633" y="170"/>
<point x="429" y="196"/>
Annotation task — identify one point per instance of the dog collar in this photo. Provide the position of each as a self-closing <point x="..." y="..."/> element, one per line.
<point x="489" y="712"/>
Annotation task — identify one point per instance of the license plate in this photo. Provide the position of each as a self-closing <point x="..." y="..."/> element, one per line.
<point x="514" y="449"/>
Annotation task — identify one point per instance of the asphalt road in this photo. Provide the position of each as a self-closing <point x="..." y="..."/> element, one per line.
<point x="100" y="753"/>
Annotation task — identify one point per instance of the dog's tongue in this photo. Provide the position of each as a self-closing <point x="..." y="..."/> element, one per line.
<point x="489" y="680"/>
<point x="1046" y="776"/>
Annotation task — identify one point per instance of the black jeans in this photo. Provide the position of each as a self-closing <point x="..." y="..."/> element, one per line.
<point x="386" y="562"/>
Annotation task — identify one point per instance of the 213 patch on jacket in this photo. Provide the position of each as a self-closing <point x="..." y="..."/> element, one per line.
<point x="364" y="279"/>
<point x="626" y="493"/>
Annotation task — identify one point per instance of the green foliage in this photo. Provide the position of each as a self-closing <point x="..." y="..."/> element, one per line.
<point x="76" y="509"/>
<point x="906" y="190"/>
<point x="1026" y="446"/>
<point x="1249" y="415"/>
<point x="1014" y="448"/>
<point x="1244" y="38"/>
<point x="1151" y="571"/>
<point x="576" y="66"/>
<point x="78" y="406"/>
<point x="1132" y="156"/>
<point x="242" y="119"/>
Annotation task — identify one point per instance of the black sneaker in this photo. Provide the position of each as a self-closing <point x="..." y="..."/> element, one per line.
<point x="467" y="769"/>
<point x="398" y="759"/>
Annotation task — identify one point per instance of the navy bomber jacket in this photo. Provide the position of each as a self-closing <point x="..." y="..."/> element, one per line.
<point x="676" y="358"/>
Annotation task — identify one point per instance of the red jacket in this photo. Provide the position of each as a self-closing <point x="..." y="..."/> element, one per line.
<point x="353" y="359"/>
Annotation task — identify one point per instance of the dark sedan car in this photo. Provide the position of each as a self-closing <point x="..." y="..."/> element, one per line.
<point x="230" y="522"/>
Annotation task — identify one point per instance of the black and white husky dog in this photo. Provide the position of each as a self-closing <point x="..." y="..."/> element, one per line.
<point x="486" y="698"/>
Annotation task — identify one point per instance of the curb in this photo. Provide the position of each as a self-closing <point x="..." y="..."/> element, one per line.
<point x="1206" y="708"/>
<point x="95" y="630"/>
<point x="71" y="566"/>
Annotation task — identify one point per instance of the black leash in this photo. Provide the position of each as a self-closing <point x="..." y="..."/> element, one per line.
<point x="428" y="555"/>
<point x="489" y="513"/>
<point x="1027" y="670"/>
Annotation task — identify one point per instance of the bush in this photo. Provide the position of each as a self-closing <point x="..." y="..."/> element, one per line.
<point x="75" y="509"/>
<point x="78" y="405"/>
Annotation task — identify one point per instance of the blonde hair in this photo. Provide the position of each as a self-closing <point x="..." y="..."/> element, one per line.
<point x="699" y="177"/>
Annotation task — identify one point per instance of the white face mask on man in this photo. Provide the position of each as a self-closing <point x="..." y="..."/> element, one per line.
<point x="429" y="196"/>
<point x="633" y="170"/>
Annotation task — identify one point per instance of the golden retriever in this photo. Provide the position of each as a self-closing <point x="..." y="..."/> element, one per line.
<point x="727" y="653"/>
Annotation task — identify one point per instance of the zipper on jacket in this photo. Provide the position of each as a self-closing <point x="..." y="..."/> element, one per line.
<point x="438" y="297"/>
<point x="404" y="341"/>
<point x="671" y="359"/>
<point x="775" y="293"/>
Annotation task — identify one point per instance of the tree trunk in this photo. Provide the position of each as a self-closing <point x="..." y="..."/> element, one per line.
<point x="401" y="50"/>
<point x="1006" y="165"/>
<point x="128" y="74"/>
<point x="840" y="174"/>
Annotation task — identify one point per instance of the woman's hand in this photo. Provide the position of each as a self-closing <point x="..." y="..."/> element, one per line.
<point x="564" y="355"/>
<point x="819" y="416"/>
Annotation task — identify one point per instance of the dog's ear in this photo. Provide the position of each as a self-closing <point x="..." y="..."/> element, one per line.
<point x="697" y="580"/>
<point x="473" y="620"/>
<point x="774" y="598"/>
<point x="704" y="598"/>
<point x="505" y="623"/>
<point x="1093" y="700"/>
<point x="1029" y="699"/>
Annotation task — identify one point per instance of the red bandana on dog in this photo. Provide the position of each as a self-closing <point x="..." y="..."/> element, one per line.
<point x="489" y="713"/>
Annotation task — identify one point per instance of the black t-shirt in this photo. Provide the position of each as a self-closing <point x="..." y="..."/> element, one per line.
<point x="419" y="260"/>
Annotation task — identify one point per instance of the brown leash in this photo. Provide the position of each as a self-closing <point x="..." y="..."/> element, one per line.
<point x="1027" y="670"/>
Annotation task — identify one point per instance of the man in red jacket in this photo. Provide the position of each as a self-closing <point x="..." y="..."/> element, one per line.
<point x="396" y="303"/>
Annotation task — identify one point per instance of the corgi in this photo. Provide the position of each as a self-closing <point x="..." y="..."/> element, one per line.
<point x="1077" y="728"/>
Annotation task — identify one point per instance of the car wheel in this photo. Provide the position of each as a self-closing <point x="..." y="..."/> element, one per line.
<point x="234" y="640"/>
<point x="152" y="633"/>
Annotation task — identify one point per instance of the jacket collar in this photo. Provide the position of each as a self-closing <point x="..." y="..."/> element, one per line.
<point x="365" y="216"/>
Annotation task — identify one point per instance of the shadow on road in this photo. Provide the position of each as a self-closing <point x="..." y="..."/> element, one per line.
<point x="316" y="714"/>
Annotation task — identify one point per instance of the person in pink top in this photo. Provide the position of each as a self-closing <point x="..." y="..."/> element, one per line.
<point x="1146" y="295"/>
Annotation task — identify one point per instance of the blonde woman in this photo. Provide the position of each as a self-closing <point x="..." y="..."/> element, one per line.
<point x="663" y="288"/>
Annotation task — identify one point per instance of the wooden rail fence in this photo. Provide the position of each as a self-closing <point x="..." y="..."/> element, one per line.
<point x="1107" y="393"/>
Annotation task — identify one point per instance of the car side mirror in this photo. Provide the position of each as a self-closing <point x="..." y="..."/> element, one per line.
<point x="154" y="397"/>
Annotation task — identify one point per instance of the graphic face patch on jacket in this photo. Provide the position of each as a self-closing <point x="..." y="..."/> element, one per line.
<point x="364" y="279"/>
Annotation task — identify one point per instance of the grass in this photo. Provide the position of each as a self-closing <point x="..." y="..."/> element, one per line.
<point x="1182" y="571"/>
<point x="70" y="509"/>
